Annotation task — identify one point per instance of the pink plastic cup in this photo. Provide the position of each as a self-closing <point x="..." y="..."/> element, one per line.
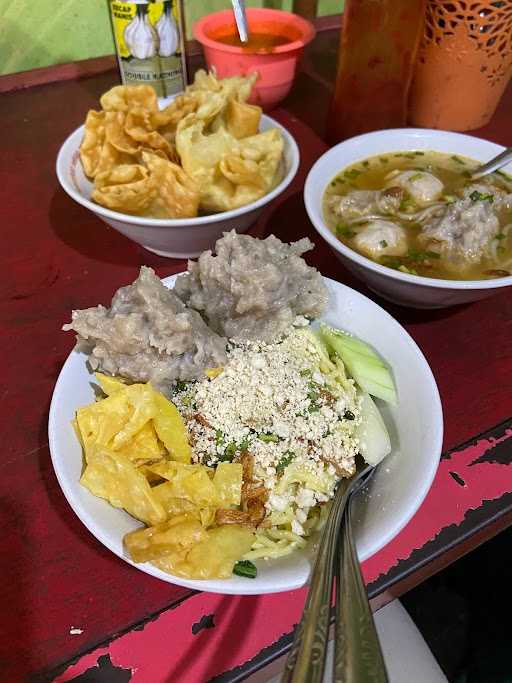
<point x="276" y="66"/>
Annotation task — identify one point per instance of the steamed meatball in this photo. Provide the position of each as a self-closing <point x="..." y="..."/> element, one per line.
<point x="462" y="234"/>
<point x="381" y="238"/>
<point x="360" y="203"/>
<point x="424" y="188"/>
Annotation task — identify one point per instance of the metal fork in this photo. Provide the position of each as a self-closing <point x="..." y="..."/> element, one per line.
<point x="357" y="653"/>
<point x="306" y="661"/>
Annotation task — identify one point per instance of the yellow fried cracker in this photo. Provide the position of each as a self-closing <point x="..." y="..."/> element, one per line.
<point x="228" y="482"/>
<point x="115" y="122"/>
<point x="101" y="421"/>
<point x="212" y="557"/>
<point x="144" y="447"/>
<point x="140" y="126"/>
<point x="124" y="97"/>
<point x="190" y="482"/>
<point x="241" y="119"/>
<point x="92" y="142"/>
<point x="127" y="188"/>
<point x="174" y="537"/>
<point x="171" y="429"/>
<point x="112" y="476"/>
<point x="176" y="194"/>
<point x="141" y="398"/>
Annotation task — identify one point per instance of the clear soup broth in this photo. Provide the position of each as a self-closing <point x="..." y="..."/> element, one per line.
<point x="419" y="212"/>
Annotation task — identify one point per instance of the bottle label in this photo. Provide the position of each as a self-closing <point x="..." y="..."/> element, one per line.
<point x="148" y="37"/>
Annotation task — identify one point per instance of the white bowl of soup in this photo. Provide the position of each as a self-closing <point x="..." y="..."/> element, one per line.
<point x="400" y="211"/>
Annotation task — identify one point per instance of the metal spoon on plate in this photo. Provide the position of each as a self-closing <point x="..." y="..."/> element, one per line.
<point x="241" y="19"/>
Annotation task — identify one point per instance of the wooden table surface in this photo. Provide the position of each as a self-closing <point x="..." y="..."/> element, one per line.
<point x="71" y="606"/>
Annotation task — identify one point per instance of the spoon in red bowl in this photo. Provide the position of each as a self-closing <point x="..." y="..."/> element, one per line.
<point x="241" y="19"/>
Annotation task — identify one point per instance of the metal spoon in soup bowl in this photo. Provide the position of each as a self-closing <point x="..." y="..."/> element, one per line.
<point x="493" y="165"/>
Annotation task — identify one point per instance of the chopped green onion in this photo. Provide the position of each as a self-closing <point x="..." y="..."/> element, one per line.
<point x="450" y="198"/>
<point x="406" y="204"/>
<point x="390" y="262"/>
<point x="458" y="160"/>
<point x="408" y="271"/>
<point x="415" y="255"/>
<point x="499" y="236"/>
<point x="245" y="568"/>
<point x="415" y="177"/>
<point x="419" y="154"/>
<point x="180" y="386"/>
<point x="352" y="173"/>
<point x="285" y="461"/>
<point x="344" y="230"/>
<point x="219" y="437"/>
<point x="268" y="438"/>
<point x="349" y="415"/>
<point x="477" y="196"/>
<point x="366" y="163"/>
<point x="383" y="244"/>
<point x="229" y="453"/>
<point x="306" y="372"/>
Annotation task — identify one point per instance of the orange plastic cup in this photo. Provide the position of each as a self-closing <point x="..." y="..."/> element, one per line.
<point x="276" y="66"/>
<point x="464" y="64"/>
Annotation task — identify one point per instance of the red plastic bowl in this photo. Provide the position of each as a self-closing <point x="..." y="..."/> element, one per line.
<point x="276" y="66"/>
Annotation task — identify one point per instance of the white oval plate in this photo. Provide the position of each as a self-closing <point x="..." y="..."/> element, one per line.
<point x="396" y="490"/>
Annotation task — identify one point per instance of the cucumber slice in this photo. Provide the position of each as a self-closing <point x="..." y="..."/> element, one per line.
<point x="374" y="442"/>
<point x="362" y="362"/>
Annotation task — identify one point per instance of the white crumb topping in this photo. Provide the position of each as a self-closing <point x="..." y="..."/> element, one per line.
<point x="276" y="402"/>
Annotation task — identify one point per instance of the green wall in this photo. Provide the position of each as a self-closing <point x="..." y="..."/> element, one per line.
<point x="35" y="33"/>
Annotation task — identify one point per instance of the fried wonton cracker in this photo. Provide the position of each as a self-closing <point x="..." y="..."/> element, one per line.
<point x="175" y="538"/>
<point x="140" y="126"/>
<point x="235" y="87"/>
<point x="124" y="97"/>
<point x="116" y="134"/>
<point x="176" y="194"/>
<point x="112" y="476"/>
<point x="96" y="151"/>
<point x="242" y="120"/>
<point x="212" y="557"/>
<point x="126" y="188"/>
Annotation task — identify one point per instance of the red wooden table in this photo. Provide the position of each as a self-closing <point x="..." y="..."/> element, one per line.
<point x="69" y="605"/>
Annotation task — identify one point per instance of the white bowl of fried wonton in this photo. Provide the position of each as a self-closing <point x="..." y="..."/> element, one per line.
<point x="399" y="287"/>
<point x="180" y="237"/>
